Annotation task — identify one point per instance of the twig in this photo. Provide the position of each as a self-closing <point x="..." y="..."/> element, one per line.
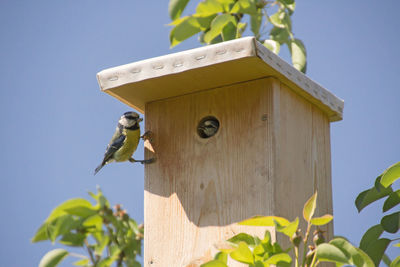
<point x="90" y="252"/>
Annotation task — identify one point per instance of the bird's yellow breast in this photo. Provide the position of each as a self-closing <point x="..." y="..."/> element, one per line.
<point x="130" y="144"/>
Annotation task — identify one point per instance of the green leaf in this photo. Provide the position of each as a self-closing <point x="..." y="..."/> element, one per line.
<point x="279" y="35"/>
<point x="281" y="20"/>
<point x="376" y="250"/>
<point x="73" y="240"/>
<point x="255" y="22"/>
<point x="242" y="254"/>
<point x="397" y="245"/>
<point x="373" y="194"/>
<point x="265" y="221"/>
<point x="214" y="263"/>
<point x="299" y="55"/>
<point x="309" y="207"/>
<point x="391" y="222"/>
<point x="53" y="257"/>
<point x="76" y="206"/>
<point x="386" y="260"/>
<point x="102" y="244"/>
<point x="41" y="234"/>
<point x="61" y="226"/>
<point x="321" y="220"/>
<point x="370" y="236"/>
<point x="217" y="25"/>
<point x="229" y="32"/>
<point x="241" y="27"/>
<point x="392" y="201"/>
<point x="272" y="45"/>
<point x="94" y="222"/>
<point x="280" y="257"/>
<point x="188" y="27"/>
<point x="286" y="2"/>
<point x="390" y="175"/>
<point x="176" y="7"/>
<point x="242" y="237"/>
<point x="221" y="256"/>
<point x="209" y="7"/>
<point x="82" y="262"/>
<point x="290" y="229"/>
<point x="244" y="6"/>
<point x="395" y="262"/>
<point x="354" y="255"/>
<point x="328" y="252"/>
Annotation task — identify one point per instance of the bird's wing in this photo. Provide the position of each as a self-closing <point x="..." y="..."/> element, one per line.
<point x="116" y="143"/>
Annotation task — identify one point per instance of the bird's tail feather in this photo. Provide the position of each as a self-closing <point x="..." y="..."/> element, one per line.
<point x="98" y="168"/>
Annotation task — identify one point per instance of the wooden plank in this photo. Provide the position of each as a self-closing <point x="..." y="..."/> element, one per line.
<point x="303" y="164"/>
<point x="199" y="188"/>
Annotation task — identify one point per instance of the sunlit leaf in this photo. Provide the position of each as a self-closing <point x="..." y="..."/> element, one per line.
<point x="264" y="221"/>
<point x="391" y="222"/>
<point x="53" y="257"/>
<point x="187" y="28"/>
<point x="290" y="229"/>
<point x="395" y="262"/>
<point x="94" y="222"/>
<point x="176" y="7"/>
<point x="309" y="207"/>
<point x="73" y="240"/>
<point x="214" y="263"/>
<point x="397" y="245"/>
<point x="242" y="237"/>
<point x="244" y="7"/>
<point x="299" y="55"/>
<point x="242" y="254"/>
<point x="328" y="252"/>
<point x="321" y="220"/>
<point x="370" y="236"/>
<point x="281" y="20"/>
<point x="354" y="255"/>
<point x="82" y="262"/>
<point x="209" y="7"/>
<point x="371" y="195"/>
<point x="217" y="25"/>
<point x="280" y="257"/>
<point x="41" y="234"/>
<point x="392" y="201"/>
<point x="221" y="256"/>
<point x="78" y="206"/>
<point x="390" y="175"/>
<point x="102" y="244"/>
<point x="241" y="27"/>
<point x="272" y="45"/>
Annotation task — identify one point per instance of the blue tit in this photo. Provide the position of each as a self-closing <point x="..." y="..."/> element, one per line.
<point x="124" y="141"/>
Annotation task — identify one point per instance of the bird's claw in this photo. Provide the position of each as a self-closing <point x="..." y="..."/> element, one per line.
<point x="145" y="161"/>
<point x="148" y="135"/>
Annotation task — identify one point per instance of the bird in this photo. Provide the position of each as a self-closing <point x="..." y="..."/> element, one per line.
<point x="208" y="127"/>
<point x="124" y="141"/>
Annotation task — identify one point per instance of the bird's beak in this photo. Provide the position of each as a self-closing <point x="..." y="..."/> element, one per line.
<point x="140" y="119"/>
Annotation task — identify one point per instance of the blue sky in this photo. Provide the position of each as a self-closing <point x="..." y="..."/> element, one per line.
<point x="56" y="122"/>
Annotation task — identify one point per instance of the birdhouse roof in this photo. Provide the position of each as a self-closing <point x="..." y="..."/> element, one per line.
<point x="210" y="67"/>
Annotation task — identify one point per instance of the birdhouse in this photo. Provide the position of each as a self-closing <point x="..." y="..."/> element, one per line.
<point x="236" y="132"/>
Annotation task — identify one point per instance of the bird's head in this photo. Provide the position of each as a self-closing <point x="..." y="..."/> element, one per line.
<point x="130" y="119"/>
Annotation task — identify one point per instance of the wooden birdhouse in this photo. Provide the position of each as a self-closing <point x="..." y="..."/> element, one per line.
<point x="237" y="132"/>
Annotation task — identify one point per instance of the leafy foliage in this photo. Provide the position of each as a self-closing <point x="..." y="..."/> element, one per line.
<point x="371" y="242"/>
<point x="107" y="235"/>
<point x="223" y="20"/>
<point x="257" y="252"/>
